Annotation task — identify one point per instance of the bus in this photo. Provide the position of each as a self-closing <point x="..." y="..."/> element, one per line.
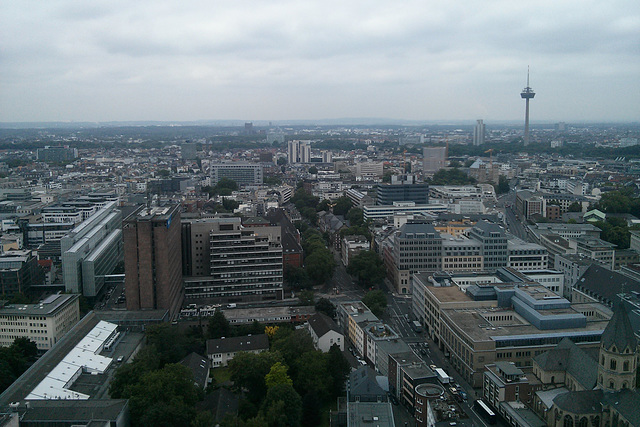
<point x="417" y="327"/>
<point x="484" y="411"/>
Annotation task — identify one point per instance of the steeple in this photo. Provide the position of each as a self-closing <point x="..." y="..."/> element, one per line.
<point x="619" y="332"/>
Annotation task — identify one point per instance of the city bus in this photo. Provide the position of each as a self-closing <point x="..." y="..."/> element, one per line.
<point x="484" y="411"/>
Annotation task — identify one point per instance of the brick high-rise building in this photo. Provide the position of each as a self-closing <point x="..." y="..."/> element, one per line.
<point x="153" y="261"/>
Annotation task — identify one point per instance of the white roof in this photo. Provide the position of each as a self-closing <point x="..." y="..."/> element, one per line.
<point x="84" y="356"/>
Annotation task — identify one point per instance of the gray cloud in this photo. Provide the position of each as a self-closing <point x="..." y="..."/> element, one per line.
<point x="170" y="60"/>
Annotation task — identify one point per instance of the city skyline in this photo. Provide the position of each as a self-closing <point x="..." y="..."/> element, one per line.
<point x="167" y="61"/>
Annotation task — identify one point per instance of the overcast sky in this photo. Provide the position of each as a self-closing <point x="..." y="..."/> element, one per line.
<point x="92" y="60"/>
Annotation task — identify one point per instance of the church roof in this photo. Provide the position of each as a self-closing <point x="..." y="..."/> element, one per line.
<point x="619" y="331"/>
<point x="568" y="357"/>
<point x="580" y="402"/>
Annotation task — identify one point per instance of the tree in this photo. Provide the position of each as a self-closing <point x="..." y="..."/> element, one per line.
<point x="454" y="164"/>
<point x="282" y="406"/>
<point x="323" y="305"/>
<point x="368" y="267"/>
<point x="320" y="265"/>
<point x="165" y="397"/>
<point x="376" y="301"/>
<point x="339" y="369"/>
<point x="324" y="205"/>
<point x="503" y="185"/>
<point x="164" y="173"/>
<point x="386" y="178"/>
<point x="129" y="374"/>
<point x="291" y="344"/>
<point x="281" y="161"/>
<point x="355" y="217"/>
<point x="575" y="207"/>
<point x="313" y="170"/>
<point x="306" y="297"/>
<point x="218" y="326"/>
<point x="311" y="410"/>
<point x="342" y="205"/>
<point x="225" y="186"/>
<point x="312" y="374"/>
<point x="451" y="177"/>
<point x="277" y="375"/>
<point x="248" y="371"/>
<point x="229" y="204"/>
<point x="296" y="277"/>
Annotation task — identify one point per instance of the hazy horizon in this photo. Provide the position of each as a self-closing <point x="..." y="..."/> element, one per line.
<point x="441" y="61"/>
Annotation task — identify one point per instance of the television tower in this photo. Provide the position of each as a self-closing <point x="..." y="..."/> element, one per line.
<point x="527" y="93"/>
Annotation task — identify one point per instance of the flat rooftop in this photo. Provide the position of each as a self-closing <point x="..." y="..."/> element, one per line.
<point x="44" y="307"/>
<point x="448" y="293"/>
<point x="369" y="414"/>
<point x="473" y="322"/>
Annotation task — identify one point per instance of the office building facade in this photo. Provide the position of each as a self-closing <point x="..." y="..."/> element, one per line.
<point x="243" y="173"/>
<point x="434" y="159"/>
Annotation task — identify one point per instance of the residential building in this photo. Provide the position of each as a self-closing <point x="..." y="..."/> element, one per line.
<point x="243" y="173"/>
<point x="325" y="332"/>
<point x="92" y="250"/>
<point x="406" y="372"/>
<point x="479" y="133"/>
<point x="221" y="351"/>
<point x="200" y="367"/>
<point x="44" y="323"/>
<point x="298" y="152"/>
<point x="505" y="382"/>
<point x="352" y="246"/>
<point x="353" y="317"/>
<point x="153" y="261"/>
<point x="434" y="159"/>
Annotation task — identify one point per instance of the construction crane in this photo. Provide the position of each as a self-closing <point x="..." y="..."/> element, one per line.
<point x="490" y="151"/>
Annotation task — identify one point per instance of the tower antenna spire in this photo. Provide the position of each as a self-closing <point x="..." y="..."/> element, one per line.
<point x="527" y="76"/>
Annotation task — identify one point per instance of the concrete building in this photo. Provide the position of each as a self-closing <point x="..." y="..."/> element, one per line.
<point x="434" y="159"/>
<point x="229" y="263"/>
<point x="92" y="250"/>
<point x="325" y="332"/>
<point x="461" y="254"/>
<point x="523" y="255"/>
<point x="479" y="133"/>
<point x="352" y="246"/>
<point x="596" y="249"/>
<point x="19" y="272"/>
<point x="243" y="173"/>
<point x="44" y="323"/>
<point x="417" y="247"/>
<point x="359" y="199"/>
<point x="402" y="188"/>
<point x="369" y="170"/>
<point x="57" y="154"/>
<point x="153" y="261"/>
<point x="505" y="382"/>
<point x="381" y="212"/>
<point x="494" y="244"/>
<point x="221" y="351"/>
<point x="298" y="152"/>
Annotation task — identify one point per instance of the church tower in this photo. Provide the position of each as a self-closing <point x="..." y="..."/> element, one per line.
<point x="618" y="353"/>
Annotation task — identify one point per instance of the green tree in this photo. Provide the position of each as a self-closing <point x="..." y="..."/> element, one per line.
<point x="277" y="375"/>
<point x="386" y="178"/>
<point x="229" y="204"/>
<point x="203" y="419"/>
<point x="296" y="277"/>
<point x="313" y="170"/>
<point x="503" y="185"/>
<point x="218" y="326"/>
<point x="339" y="369"/>
<point x="225" y="186"/>
<point x="306" y="297"/>
<point x="323" y="305"/>
<point x="291" y="344"/>
<point x="164" y="173"/>
<point x="355" y="217"/>
<point x="129" y="374"/>
<point x="451" y="177"/>
<point x="311" y="407"/>
<point x="575" y="207"/>
<point x="282" y="161"/>
<point x="248" y="371"/>
<point x="376" y="301"/>
<point x="454" y="164"/>
<point x="165" y="397"/>
<point x="320" y="265"/>
<point x="324" y="205"/>
<point x="312" y="374"/>
<point x="368" y="268"/>
<point x="283" y="406"/>
<point x="342" y="205"/>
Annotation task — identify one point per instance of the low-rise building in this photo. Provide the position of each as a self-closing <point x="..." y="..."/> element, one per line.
<point x="200" y="367"/>
<point x="44" y="323"/>
<point x="325" y="332"/>
<point x="352" y="246"/>
<point x="221" y="351"/>
<point x="505" y="382"/>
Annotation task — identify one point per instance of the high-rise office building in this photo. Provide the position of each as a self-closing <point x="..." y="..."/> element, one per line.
<point x="243" y="173"/>
<point x="478" y="133"/>
<point x="494" y="244"/>
<point x="299" y="152"/>
<point x="228" y="263"/>
<point x="434" y="159"/>
<point x="153" y="261"/>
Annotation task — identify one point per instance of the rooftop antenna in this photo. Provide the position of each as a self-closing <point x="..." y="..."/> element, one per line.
<point x="527" y="94"/>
